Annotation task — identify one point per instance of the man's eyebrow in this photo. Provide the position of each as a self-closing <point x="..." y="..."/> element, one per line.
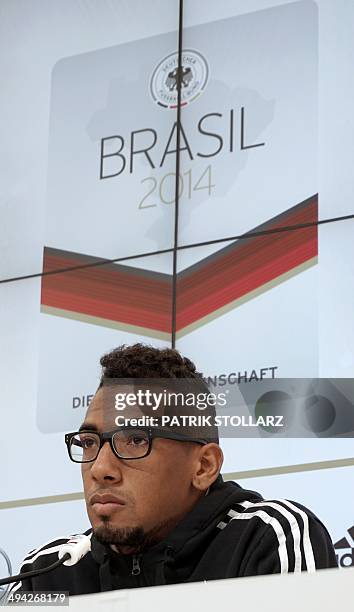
<point x="88" y="427"/>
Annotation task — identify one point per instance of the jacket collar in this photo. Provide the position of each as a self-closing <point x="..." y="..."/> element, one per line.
<point x="191" y="530"/>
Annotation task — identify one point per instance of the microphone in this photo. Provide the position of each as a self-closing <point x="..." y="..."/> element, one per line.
<point x="70" y="553"/>
<point x="77" y="547"/>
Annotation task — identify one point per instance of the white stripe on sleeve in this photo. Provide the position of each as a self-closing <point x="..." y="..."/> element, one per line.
<point x="309" y="556"/>
<point x="293" y="526"/>
<point x="273" y="522"/>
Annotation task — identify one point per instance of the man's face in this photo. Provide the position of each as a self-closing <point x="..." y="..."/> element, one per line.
<point x="132" y="502"/>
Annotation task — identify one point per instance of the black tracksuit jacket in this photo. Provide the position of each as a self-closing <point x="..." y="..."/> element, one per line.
<point x="231" y="532"/>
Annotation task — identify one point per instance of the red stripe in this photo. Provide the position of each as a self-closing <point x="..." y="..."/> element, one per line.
<point x="141" y="298"/>
<point x="200" y="305"/>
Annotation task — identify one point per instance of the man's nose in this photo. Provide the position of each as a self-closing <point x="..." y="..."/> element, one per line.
<point x="106" y="466"/>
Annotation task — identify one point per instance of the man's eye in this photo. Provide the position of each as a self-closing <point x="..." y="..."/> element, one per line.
<point x="137" y="440"/>
<point x="88" y="441"/>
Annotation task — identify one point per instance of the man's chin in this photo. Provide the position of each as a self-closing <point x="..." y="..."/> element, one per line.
<point x="132" y="537"/>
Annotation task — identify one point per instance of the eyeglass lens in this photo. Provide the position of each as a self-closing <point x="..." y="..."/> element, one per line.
<point x="128" y="443"/>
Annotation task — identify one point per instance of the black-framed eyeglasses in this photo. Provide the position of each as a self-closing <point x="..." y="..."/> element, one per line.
<point x="126" y="442"/>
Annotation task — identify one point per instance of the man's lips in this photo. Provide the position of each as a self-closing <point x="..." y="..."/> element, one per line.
<point x="106" y="503"/>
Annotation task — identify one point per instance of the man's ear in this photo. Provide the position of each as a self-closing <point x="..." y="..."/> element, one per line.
<point x="208" y="465"/>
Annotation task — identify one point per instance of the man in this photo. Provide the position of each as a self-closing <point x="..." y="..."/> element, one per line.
<point x="159" y="510"/>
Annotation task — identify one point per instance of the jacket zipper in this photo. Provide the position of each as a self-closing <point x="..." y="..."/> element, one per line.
<point x="136" y="565"/>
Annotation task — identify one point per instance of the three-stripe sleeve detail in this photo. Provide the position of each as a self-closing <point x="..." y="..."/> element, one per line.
<point x="291" y="528"/>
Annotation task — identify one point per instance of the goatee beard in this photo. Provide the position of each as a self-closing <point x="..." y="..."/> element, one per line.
<point x="128" y="537"/>
<point x="131" y="540"/>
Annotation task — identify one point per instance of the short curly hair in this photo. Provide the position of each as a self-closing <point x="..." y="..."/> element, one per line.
<point x="145" y="361"/>
<point x="138" y="361"/>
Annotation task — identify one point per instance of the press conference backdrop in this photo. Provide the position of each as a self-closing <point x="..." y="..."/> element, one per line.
<point x="89" y="157"/>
